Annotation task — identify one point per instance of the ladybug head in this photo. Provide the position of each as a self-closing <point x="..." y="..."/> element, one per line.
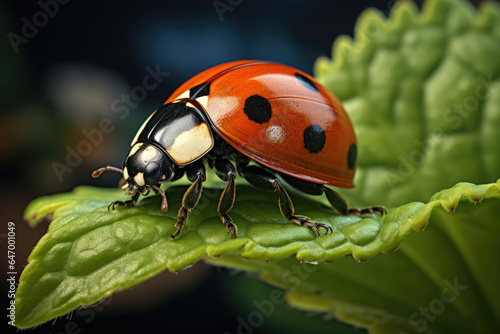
<point x="146" y="166"/>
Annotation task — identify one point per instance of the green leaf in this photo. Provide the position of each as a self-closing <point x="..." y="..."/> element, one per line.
<point x="456" y="254"/>
<point x="69" y="205"/>
<point x="98" y="252"/>
<point x="423" y="93"/>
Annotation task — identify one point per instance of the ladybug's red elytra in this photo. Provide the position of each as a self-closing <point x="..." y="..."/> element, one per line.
<point x="256" y="119"/>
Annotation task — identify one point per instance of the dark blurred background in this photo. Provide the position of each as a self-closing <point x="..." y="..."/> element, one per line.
<point x="64" y="71"/>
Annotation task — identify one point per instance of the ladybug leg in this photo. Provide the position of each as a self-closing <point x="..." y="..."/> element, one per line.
<point x="340" y="204"/>
<point x="337" y="201"/>
<point x="112" y="205"/>
<point x="164" y="202"/>
<point x="124" y="203"/>
<point x="267" y="181"/>
<point x="195" y="174"/>
<point x="225" y="171"/>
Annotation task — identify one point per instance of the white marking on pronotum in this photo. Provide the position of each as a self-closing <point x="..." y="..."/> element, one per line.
<point x="142" y="128"/>
<point x="191" y="144"/>
<point x="134" y="149"/>
<point x="148" y="154"/>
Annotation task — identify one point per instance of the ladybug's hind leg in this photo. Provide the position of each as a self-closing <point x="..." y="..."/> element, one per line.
<point x="263" y="179"/>
<point x="340" y="204"/>
<point x="195" y="174"/>
<point x="225" y="171"/>
<point x="336" y="200"/>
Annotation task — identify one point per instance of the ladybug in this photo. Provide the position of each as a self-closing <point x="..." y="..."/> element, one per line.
<point x="256" y="119"/>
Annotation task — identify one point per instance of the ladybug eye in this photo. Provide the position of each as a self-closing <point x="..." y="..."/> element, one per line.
<point x="152" y="173"/>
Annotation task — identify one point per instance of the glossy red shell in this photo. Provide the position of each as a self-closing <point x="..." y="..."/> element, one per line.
<point x="279" y="143"/>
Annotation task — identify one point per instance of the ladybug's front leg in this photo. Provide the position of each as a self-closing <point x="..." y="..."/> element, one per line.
<point x="124" y="203"/>
<point x="267" y="181"/>
<point x="98" y="172"/>
<point x="195" y="174"/>
<point x="225" y="171"/>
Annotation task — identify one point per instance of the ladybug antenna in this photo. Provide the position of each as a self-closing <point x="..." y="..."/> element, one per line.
<point x="98" y="172"/>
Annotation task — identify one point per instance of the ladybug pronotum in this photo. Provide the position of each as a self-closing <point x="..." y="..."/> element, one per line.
<point x="256" y="119"/>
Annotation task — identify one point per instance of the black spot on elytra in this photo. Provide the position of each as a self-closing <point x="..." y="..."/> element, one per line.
<point x="308" y="83"/>
<point x="352" y="156"/>
<point x="202" y="89"/>
<point x="314" y="138"/>
<point x="258" y="109"/>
